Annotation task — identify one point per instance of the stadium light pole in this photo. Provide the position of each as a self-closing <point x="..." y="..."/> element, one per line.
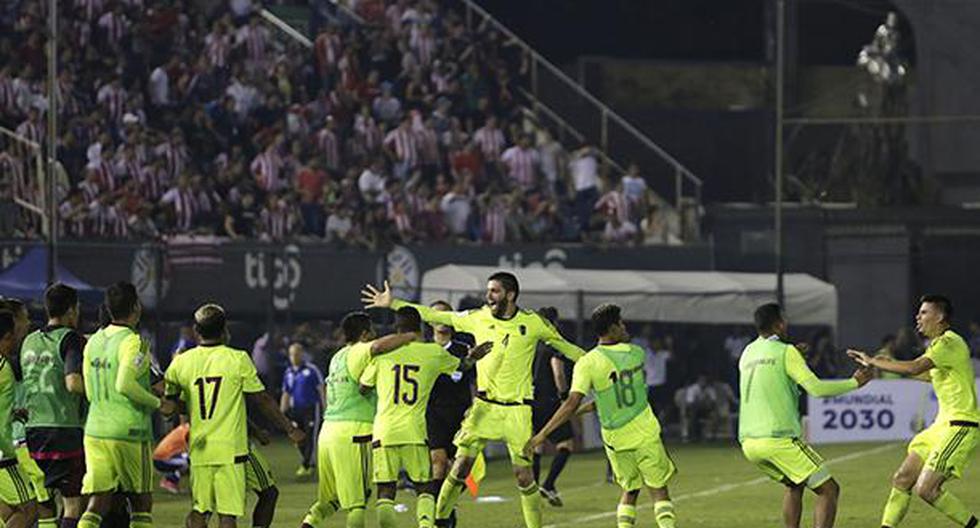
<point x="778" y="161"/>
<point x="52" y="151"/>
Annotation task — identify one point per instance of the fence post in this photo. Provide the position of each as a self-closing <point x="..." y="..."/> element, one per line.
<point x="580" y="320"/>
<point x="678" y="187"/>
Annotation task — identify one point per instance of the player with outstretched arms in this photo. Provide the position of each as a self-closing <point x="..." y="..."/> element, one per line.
<point x="941" y="451"/>
<point x="502" y="409"/>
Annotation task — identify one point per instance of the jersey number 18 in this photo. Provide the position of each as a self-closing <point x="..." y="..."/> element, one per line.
<point x="623" y="387"/>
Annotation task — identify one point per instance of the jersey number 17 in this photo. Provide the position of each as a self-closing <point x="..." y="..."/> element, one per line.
<point x="207" y="411"/>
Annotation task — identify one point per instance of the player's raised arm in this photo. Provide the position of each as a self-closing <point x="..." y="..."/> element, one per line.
<point x="798" y="370"/>
<point x="390" y="342"/>
<point x="375" y="298"/>
<point x="550" y="335"/>
<point x="475" y="354"/>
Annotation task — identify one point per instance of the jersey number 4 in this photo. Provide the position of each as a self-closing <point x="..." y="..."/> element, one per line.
<point x="405" y="374"/>
<point x="207" y="411"/>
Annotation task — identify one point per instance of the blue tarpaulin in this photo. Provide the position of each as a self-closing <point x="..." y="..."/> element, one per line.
<point x="28" y="278"/>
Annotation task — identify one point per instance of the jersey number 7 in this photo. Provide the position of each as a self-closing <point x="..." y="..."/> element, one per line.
<point x="206" y="412"/>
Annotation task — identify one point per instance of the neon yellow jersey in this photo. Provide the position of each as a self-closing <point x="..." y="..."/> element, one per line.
<point x="345" y="403"/>
<point x="505" y="373"/>
<point x="7" y="383"/>
<point x="404" y="380"/>
<point x="952" y="378"/>
<point x="113" y="355"/>
<point x="595" y="372"/>
<point x="213" y="381"/>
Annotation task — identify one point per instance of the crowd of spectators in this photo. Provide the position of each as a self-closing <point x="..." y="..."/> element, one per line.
<point x="199" y="118"/>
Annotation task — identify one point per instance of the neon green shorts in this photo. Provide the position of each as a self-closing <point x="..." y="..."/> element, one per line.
<point x="219" y="489"/>
<point x="34" y="473"/>
<point x="485" y="421"/>
<point x="15" y="488"/>
<point x="117" y="464"/>
<point x="413" y="458"/>
<point x="648" y="465"/>
<point x="787" y="460"/>
<point x="258" y="472"/>
<point x="344" y="464"/>
<point x="946" y="449"/>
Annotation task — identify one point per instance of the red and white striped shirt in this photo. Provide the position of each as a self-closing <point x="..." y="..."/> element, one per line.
<point x="115" y="27"/>
<point x="495" y="225"/>
<point x="424" y="45"/>
<point x="30" y="130"/>
<point x="428" y="143"/>
<point x="267" y="168"/>
<point x="615" y="203"/>
<point x="370" y="132"/>
<point x="107" y="220"/>
<point x="217" y="46"/>
<point x="152" y="182"/>
<point x="73" y="218"/>
<point x="404" y="145"/>
<point x="254" y="38"/>
<point x="327" y="51"/>
<point x="106" y="173"/>
<point x="90" y="190"/>
<point x="277" y="222"/>
<point x="113" y="98"/>
<point x="491" y="142"/>
<point x="185" y="207"/>
<point x="522" y="165"/>
<point x="176" y="157"/>
<point x="328" y="144"/>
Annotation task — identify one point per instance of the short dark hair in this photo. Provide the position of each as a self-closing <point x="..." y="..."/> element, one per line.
<point x="604" y="317"/>
<point x="550" y="313"/>
<point x="407" y="319"/>
<point x="767" y="316"/>
<point x="6" y="323"/>
<point x="942" y="302"/>
<point x="354" y="325"/>
<point x="210" y="321"/>
<point x="441" y="304"/>
<point x="508" y="281"/>
<point x="121" y="299"/>
<point x="59" y="298"/>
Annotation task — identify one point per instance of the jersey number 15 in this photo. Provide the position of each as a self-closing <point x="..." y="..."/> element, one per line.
<point x="405" y="374"/>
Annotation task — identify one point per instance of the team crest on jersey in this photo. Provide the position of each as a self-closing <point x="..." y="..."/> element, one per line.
<point x="523" y="329"/>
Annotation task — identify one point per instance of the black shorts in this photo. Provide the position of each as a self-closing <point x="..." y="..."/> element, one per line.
<point x="442" y="424"/>
<point x="542" y="411"/>
<point x="64" y="475"/>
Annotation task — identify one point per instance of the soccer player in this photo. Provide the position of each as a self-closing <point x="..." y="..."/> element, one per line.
<point x="550" y="388"/>
<point x="118" y="430"/>
<point x="630" y="430"/>
<point x="302" y="401"/>
<point x="51" y="363"/>
<point x="34" y="474"/>
<point x="404" y="380"/>
<point x="214" y="380"/>
<point x="941" y="451"/>
<point x="451" y="396"/>
<point x="769" y="418"/>
<point x="502" y="410"/>
<point x="18" y="508"/>
<point x="343" y="455"/>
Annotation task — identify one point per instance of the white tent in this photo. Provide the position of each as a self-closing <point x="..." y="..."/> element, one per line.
<point x="708" y="297"/>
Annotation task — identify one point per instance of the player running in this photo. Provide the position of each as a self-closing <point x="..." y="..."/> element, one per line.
<point x="404" y="380"/>
<point x="769" y="418"/>
<point x="343" y="447"/>
<point x="630" y="430"/>
<point x="451" y="396"/>
<point x="943" y="450"/>
<point x="51" y="363"/>
<point x="118" y="430"/>
<point x="214" y="380"/>
<point x="18" y="508"/>
<point x="550" y="389"/>
<point x="502" y="410"/>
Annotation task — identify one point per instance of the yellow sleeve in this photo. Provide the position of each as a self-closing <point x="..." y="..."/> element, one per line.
<point x="133" y="360"/>
<point x="250" y="378"/>
<point x="550" y="335"/>
<point x="940" y="352"/>
<point x="171" y="378"/>
<point x="358" y="358"/>
<point x="461" y="321"/>
<point x="798" y="370"/>
<point x="581" y="382"/>
<point x="447" y="363"/>
<point x="370" y="375"/>
<point x="86" y="368"/>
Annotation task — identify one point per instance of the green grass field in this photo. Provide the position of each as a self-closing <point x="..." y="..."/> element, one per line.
<point x="715" y="487"/>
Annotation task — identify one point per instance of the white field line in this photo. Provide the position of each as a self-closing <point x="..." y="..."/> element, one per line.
<point x="721" y="489"/>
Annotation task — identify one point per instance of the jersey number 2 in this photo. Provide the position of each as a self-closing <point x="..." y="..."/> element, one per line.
<point x="206" y="411"/>
<point x="404" y="373"/>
